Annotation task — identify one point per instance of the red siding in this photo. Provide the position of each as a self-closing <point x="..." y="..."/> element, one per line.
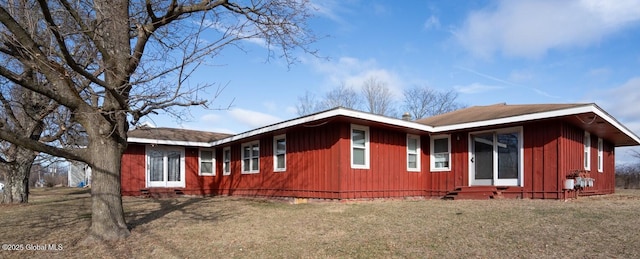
<point x="319" y="165"/>
<point x="312" y="159"/>
<point x="541" y="172"/>
<point x="133" y="170"/>
<point x="387" y="175"/>
<point x="440" y="183"/>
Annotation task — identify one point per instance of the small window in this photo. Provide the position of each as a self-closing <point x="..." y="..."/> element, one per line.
<point x="413" y="153"/>
<point x="207" y="162"/>
<point x="600" y="155"/>
<point x="226" y="161"/>
<point x="279" y="153"/>
<point x="359" y="147"/>
<point x="587" y="151"/>
<point x="440" y="153"/>
<point x="251" y="158"/>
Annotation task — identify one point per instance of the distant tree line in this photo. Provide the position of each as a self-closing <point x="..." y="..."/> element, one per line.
<point x="375" y="96"/>
<point x="628" y="175"/>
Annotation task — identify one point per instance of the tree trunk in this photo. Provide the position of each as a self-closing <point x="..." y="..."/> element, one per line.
<point x="107" y="213"/>
<point x="16" y="189"/>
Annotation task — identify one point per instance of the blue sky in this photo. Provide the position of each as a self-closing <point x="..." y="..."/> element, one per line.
<point x="518" y="52"/>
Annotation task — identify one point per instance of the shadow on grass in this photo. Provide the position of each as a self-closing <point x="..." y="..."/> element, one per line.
<point x="167" y="206"/>
<point x="81" y="191"/>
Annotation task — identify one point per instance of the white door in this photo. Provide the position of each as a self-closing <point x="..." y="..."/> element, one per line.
<point x="496" y="157"/>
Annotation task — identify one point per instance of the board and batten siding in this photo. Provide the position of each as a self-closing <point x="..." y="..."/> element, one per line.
<point x="387" y="175"/>
<point x="132" y="174"/>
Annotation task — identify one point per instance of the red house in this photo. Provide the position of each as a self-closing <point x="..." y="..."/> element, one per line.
<point x="553" y="151"/>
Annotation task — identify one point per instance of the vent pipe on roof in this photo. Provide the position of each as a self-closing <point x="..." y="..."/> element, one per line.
<point x="406" y="116"/>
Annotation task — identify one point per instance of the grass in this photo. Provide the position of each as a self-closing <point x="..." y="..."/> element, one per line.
<point x="232" y="227"/>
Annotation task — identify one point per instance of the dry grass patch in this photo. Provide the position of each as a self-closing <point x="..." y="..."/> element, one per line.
<point x="599" y="227"/>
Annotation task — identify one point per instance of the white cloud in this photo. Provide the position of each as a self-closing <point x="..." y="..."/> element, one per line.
<point x="271" y="106"/>
<point x="329" y="8"/>
<point x="432" y="23"/>
<point x="600" y="72"/>
<point x="506" y="82"/>
<point x="252" y="119"/>
<point x="354" y="72"/>
<point x="476" y="88"/>
<point x="210" y="118"/>
<point x="520" y="76"/>
<point x="623" y="103"/>
<point x="530" y="28"/>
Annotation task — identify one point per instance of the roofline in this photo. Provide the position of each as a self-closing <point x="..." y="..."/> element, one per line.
<point x="168" y="142"/>
<point x="542" y="115"/>
<point x="600" y="112"/>
<point x="339" y="111"/>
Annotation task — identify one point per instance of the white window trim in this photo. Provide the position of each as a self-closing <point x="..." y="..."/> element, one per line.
<point x="275" y="153"/>
<point x="213" y="161"/>
<point x="165" y="183"/>
<point x="496" y="181"/>
<point x="366" y="146"/>
<point x="242" y="158"/>
<point x="600" y="155"/>
<point x="432" y="153"/>
<point x="587" y="151"/>
<point x="226" y="170"/>
<point x="418" y="153"/>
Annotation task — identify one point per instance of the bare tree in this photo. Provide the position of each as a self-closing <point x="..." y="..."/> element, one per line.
<point x="628" y="176"/>
<point x="421" y="102"/>
<point x="23" y="112"/>
<point x="112" y="62"/>
<point x="308" y="104"/>
<point x="378" y="97"/>
<point x="341" y="96"/>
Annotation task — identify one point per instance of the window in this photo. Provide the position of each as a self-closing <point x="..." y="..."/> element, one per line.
<point x="359" y="147"/>
<point x="279" y="153"/>
<point x="165" y="167"/>
<point x="226" y="161"/>
<point x="251" y="158"/>
<point x="207" y="162"/>
<point x="440" y="153"/>
<point x="600" y="155"/>
<point x="587" y="151"/>
<point x="413" y="153"/>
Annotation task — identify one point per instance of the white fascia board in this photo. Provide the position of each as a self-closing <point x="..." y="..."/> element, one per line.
<point x="514" y="119"/>
<point x="602" y="114"/>
<point x="326" y="115"/>
<point x="168" y="142"/>
<point x="542" y="115"/>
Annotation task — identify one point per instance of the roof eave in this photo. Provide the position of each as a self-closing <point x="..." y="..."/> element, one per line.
<point x="326" y="115"/>
<point x="168" y="142"/>
<point x="593" y="108"/>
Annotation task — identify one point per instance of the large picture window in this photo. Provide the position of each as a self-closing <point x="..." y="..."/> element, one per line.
<point x="359" y="147"/>
<point x="251" y="158"/>
<point x="440" y="153"/>
<point x="165" y="167"/>
<point x="207" y="162"/>
<point x="280" y="153"/>
<point x="413" y="153"/>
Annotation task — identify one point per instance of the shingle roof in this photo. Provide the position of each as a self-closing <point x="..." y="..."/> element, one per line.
<point x="176" y="134"/>
<point x="490" y="112"/>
